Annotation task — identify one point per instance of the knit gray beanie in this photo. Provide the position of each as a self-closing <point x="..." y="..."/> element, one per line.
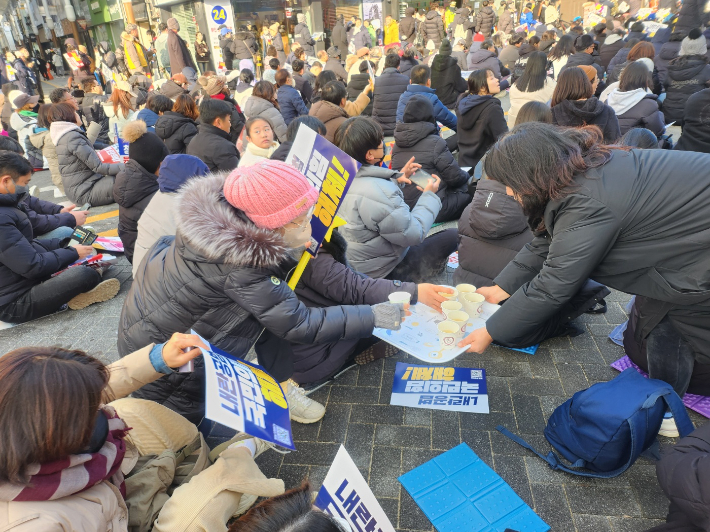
<point x="694" y="44"/>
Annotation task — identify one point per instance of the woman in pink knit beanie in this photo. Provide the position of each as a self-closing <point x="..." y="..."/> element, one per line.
<point x="224" y="275"/>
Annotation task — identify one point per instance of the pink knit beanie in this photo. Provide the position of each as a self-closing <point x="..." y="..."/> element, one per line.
<point x="270" y="193"/>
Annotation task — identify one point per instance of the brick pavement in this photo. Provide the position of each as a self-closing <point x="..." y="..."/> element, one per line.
<point x="386" y="441"/>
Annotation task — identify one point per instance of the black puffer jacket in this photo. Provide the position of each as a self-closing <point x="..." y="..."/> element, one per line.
<point x="690" y="16"/>
<point x="227" y="285"/>
<point x="133" y="190"/>
<point x="244" y="45"/>
<point x="418" y="136"/>
<point x="485" y="20"/>
<point x="669" y="51"/>
<point x="45" y="216"/>
<point x="615" y="74"/>
<point x="176" y="130"/>
<point x="696" y="125"/>
<point x="214" y="147"/>
<point x="492" y="230"/>
<point x="433" y="28"/>
<point x="446" y="79"/>
<point x="686" y="75"/>
<point x="407" y="26"/>
<point x="609" y="49"/>
<point x="338" y="284"/>
<point x="226" y="45"/>
<point x="389" y="87"/>
<point x="480" y="122"/>
<point x="24" y="261"/>
<point x="580" y="58"/>
<point x="636" y="109"/>
<point x="590" y="112"/>
<point x="357" y="84"/>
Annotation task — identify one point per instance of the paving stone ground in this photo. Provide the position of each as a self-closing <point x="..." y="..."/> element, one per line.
<point x="386" y="441"/>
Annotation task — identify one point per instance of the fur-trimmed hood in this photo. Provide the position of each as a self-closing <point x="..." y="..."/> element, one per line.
<point x="217" y="232"/>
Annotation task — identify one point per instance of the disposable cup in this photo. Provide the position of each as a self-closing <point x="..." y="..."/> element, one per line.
<point x="460" y="318"/>
<point x="473" y="304"/>
<point x="450" y="297"/>
<point x="464" y="289"/>
<point x="449" y="306"/>
<point x="448" y="334"/>
<point x="400" y="297"/>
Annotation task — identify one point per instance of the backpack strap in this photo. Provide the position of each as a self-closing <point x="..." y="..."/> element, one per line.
<point x="677" y="408"/>
<point x="554" y="462"/>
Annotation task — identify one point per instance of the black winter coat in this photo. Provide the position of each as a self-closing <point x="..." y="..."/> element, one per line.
<point x="407" y="27"/>
<point x="689" y="16"/>
<point x="176" y="130"/>
<point x="480" y="122"/>
<point x="590" y="112"/>
<point x="215" y="148"/>
<point x="644" y="114"/>
<point x="338" y="284"/>
<point x="485" y="20"/>
<point x="422" y="141"/>
<point x="696" y="124"/>
<point x="614" y="76"/>
<point x="45" y="216"/>
<point x="627" y="224"/>
<point x="357" y="84"/>
<point x="608" y="51"/>
<point x="339" y="38"/>
<point x="24" y="261"/>
<point x="668" y="52"/>
<point x="227" y="53"/>
<point x="686" y="75"/>
<point x="492" y="230"/>
<point x="433" y="28"/>
<point x="244" y="45"/>
<point x="226" y="279"/>
<point x="389" y="87"/>
<point x="580" y="58"/>
<point x="406" y="64"/>
<point x="133" y="189"/>
<point x="446" y="80"/>
<point x="334" y="64"/>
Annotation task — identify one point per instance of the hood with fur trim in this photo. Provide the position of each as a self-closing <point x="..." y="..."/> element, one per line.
<point x="217" y="232"/>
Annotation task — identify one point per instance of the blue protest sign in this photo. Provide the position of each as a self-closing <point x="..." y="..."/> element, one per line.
<point x="244" y="397"/>
<point x="330" y="170"/>
<point x="440" y="388"/>
<point x="219" y="14"/>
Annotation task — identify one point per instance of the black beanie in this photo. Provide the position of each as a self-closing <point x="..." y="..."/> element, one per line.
<point x="445" y="48"/>
<point x="146" y="148"/>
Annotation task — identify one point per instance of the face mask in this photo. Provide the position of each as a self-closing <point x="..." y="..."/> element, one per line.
<point x="20" y="190"/>
<point x="295" y="237"/>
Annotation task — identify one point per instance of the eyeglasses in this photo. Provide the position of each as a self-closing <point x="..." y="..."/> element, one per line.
<point x="306" y="222"/>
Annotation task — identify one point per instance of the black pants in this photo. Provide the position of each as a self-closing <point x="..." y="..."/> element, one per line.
<point x="204" y="65"/>
<point x="426" y="259"/>
<point x="670" y="358"/>
<point x="275" y="356"/>
<point x="49" y="296"/>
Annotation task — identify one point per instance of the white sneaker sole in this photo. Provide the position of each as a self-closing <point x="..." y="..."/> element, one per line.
<point x="306" y="421"/>
<point x="103" y="292"/>
<point x="669" y="433"/>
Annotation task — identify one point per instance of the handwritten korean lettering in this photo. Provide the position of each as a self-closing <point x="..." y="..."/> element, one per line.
<point x="356" y="510"/>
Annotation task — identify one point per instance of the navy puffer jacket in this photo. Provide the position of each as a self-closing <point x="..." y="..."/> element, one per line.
<point x="389" y="87"/>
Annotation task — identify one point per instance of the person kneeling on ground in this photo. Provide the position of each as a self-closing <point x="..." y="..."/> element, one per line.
<point x="86" y="179"/>
<point x="224" y="275"/>
<point x="418" y="136"/>
<point x="94" y="465"/>
<point x="27" y="290"/>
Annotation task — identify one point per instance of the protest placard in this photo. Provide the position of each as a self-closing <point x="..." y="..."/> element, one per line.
<point x="242" y="396"/>
<point x="330" y="170"/>
<point x="440" y="388"/>
<point x="110" y="155"/>
<point x="345" y="494"/>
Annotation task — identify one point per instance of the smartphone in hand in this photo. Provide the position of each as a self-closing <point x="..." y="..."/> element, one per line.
<point x="420" y="178"/>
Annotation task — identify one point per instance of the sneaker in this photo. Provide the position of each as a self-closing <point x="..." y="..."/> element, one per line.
<point x="103" y="292"/>
<point x="300" y="407"/>
<point x="669" y="428"/>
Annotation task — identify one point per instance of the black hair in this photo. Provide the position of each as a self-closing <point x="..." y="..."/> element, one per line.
<point x="363" y="66"/>
<point x="640" y="137"/>
<point x="274" y="63"/>
<point x="582" y="42"/>
<point x="635" y="76"/>
<point x="563" y="47"/>
<point x="162" y="27"/>
<point x="677" y="36"/>
<point x="334" y="92"/>
<point x="488" y="43"/>
<point x="392" y="61"/>
<point x="253" y="120"/>
<point x="158" y="103"/>
<point x="212" y="109"/>
<point x="517" y="38"/>
<point x="599" y="28"/>
<point x="478" y="80"/>
<point x="14" y="165"/>
<point x="637" y="26"/>
<point x="57" y="95"/>
<point x="310" y="122"/>
<point x="534" y="112"/>
<point x="535" y="73"/>
<point x="10" y="144"/>
<point x="534" y="41"/>
<point x="297" y="65"/>
<point x="325" y="77"/>
<point x="420" y="74"/>
<point x="246" y="76"/>
<point x="357" y="135"/>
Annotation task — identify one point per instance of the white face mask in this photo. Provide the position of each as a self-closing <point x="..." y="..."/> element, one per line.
<point x="297" y="234"/>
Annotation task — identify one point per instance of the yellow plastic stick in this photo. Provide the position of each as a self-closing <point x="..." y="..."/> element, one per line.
<point x="303" y="261"/>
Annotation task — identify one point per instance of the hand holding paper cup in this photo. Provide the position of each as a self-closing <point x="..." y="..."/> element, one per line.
<point x="451" y="296"/>
<point x="460" y="318"/>
<point x="464" y="289"/>
<point x="449" y="306"/>
<point x="473" y="304"/>
<point x="448" y="334"/>
<point x="400" y="297"/>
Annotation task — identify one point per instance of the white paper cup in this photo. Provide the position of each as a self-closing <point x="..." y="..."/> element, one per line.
<point x="450" y="297"/>
<point x="473" y="304"/>
<point x="400" y="297"/>
<point x="448" y="306"/>
<point x="448" y="334"/>
<point x="464" y="289"/>
<point x="460" y="318"/>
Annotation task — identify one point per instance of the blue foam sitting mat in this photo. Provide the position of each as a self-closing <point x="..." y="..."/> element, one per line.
<point x="458" y="492"/>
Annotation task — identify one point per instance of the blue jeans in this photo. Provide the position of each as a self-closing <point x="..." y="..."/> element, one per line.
<point x="59" y="232"/>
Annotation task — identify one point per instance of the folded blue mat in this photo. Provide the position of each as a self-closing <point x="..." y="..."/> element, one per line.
<point x="458" y="492"/>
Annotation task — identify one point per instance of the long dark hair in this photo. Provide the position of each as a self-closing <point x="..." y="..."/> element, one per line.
<point x="324" y="78"/>
<point x="572" y="84"/>
<point x="563" y="47"/>
<point x="535" y="74"/>
<point x="635" y="76"/>
<point x="477" y="80"/>
<point x="539" y="161"/>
